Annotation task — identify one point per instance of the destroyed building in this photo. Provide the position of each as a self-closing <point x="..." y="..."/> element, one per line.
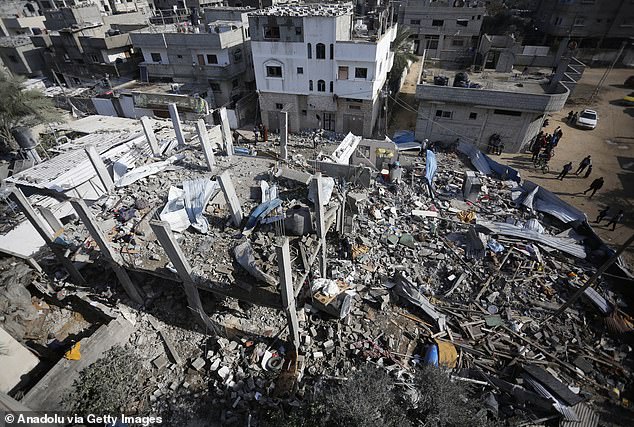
<point x="239" y="276"/>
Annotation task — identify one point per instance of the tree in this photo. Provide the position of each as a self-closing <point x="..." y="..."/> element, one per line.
<point x="402" y="56"/>
<point x="21" y="107"/>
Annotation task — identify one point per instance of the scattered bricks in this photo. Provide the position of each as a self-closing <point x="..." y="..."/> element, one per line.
<point x="318" y="355"/>
<point x="329" y="344"/>
<point x="160" y="362"/>
<point x="198" y="364"/>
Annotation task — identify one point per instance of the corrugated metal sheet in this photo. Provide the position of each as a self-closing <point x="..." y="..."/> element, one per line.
<point x="568" y="245"/>
<point x="587" y="417"/>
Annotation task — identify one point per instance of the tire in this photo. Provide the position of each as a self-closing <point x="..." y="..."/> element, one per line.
<point x="545" y="169"/>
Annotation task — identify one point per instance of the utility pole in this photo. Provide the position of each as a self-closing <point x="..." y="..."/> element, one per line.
<point x="607" y="72"/>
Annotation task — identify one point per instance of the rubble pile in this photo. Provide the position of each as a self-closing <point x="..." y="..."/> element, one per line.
<point x="448" y="272"/>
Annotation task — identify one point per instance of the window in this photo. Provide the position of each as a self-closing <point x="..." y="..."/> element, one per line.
<point x="457" y="42"/>
<point x="437" y="22"/>
<point x="298" y="31"/>
<point x="360" y="73"/>
<point x="479" y="17"/>
<point x="473" y="116"/>
<point x="215" y="87"/>
<point x="235" y="83"/>
<point x="310" y="85"/>
<point x="627" y="22"/>
<point x="462" y="22"/>
<point x="320" y="51"/>
<point x="237" y="55"/>
<point x="13" y="58"/>
<point x="304" y="113"/>
<point x="212" y="59"/>
<point x="332" y="51"/>
<point x="343" y="73"/>
<point x="67" y="58"/>
<point x="94" y="58"/>
<point x="271" y="32"/>
<point x="300" y="70"/>
<point x="332" y="87"/>
<point x="507" y="113"/>
<point x="432" y="42"/>
<point x="156" y="57"/>
<point x="179" y="56"/>
<point x="310" y="51"/>
<point x="321" y="86"/>
<point x="273" y="71"/>
<point x="279" y="106"/>
<point x="414" y="21"/>
<point x="444" y="114"/>
<point x="558" y="20"/>
<point x="579" y="21"/>
<point x="354" y="107"/>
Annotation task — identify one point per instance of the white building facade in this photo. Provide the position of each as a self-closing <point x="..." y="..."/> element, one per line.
<point x="322" y="66"/>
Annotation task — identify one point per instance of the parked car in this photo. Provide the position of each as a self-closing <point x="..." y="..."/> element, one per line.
<point x="588" y="119"/>
<point x="629" y="99"/>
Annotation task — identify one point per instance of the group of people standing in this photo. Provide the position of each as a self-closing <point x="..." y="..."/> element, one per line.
<point x="544" y="145"/>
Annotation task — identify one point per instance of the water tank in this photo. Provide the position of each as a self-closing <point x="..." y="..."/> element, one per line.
<point x="461" y="80"/>
<point x="25" y="137"/>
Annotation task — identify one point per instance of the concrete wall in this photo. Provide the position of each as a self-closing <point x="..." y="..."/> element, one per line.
<point x="516" y="131"/>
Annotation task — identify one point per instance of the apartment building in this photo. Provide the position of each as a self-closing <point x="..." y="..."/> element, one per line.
<point x="211" y="52"/>
<point x="447" y="29"/>
<point x="321" y="66"/>
<point x="590" y="23"/>
<point x="83" y="47"/>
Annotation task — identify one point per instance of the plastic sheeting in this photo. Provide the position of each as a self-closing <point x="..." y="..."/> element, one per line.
<point x="408" y="290"/>
<point x="564" y="244"/>
<point x="260" y="212"/>
<point x="401" y="136"/>
<point x="327" y="186"/>
<point x="430" y="167"/>
<point x="146" y="170"/>
<point x="185" y="207"/>
<point x="244" y="255"/>
<point x="486" y="165"/>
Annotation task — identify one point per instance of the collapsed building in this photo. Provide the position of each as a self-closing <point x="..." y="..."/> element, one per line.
<point x="242" y="273"/>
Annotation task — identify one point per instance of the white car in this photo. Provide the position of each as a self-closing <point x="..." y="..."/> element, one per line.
<point x="588" y="119"/>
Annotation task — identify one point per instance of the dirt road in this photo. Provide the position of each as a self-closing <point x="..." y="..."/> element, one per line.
<point x="611" y="146"/>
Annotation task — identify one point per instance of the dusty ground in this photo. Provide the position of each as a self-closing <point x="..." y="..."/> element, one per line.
<point x="611" y="146"/>
<point x="403" y="115"/>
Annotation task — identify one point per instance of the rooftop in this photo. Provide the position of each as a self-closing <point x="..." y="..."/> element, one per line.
<point x="531" y="82"/>
<point x="215" y="27"/>
<point x="322" y="9"/>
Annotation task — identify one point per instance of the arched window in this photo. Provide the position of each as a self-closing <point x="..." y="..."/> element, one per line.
<point x="310" y="85"/>
<point x="332" y="86"/>
<point x="320" y="51"/>
<point x="332" y="51"/>
<point x="321" y="86"/>
<point x="310" y="51"/>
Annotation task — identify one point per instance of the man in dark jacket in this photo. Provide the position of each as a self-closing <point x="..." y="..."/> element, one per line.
<point x="567" y="168"/>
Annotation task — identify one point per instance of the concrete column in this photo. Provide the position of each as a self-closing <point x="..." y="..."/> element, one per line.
<point x="113" y="257"/>
<point x="40" y="226"/>
<point x="51" y="219"/>
<point x="288" y="296"/>
<point x="100" y="167"/>
<point x="320" y="225"/>
<point x="284" y="135"/>
<point x="201" y="128"/>
<point x="168" y="242"/>
<point x="231" y="197"/>
<point x="176" y="121"/>
<point x="149" y="135"/>
<point x="226" y="131"/>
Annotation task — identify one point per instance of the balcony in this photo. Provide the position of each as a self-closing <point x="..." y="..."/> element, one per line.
<point x="195" y="72"/>
<point x="105" y="43"/>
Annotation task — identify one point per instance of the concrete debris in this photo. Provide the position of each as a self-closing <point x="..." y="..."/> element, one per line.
<point x="383" y="270"/>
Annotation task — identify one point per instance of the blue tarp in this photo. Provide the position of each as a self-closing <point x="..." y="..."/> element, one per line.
<point x="402" y="136"/>
<point x="260" y="212"/>
<point x="430" y="167"/>
<point x="486" y="165"/>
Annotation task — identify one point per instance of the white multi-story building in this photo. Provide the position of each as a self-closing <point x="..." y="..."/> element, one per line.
<point x="321" y="65"/>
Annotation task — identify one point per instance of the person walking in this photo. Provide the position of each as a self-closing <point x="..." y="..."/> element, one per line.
<point x="575" y="116"/>
<point x="569" y="118"/>
<point x="588" y="171"/>
<point x="537" y="148"/>
<point x="567" y="168"/>
<point x="596" y="185"/>
<point x="615" y="219"/>
<point x="587" y="161"/>
<point x="255" y="133"/>
<point x="602" y="214"/>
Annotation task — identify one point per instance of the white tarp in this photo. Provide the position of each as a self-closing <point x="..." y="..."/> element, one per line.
<point x="185" y="207"/>
<point x="146" y="170"/>
<point x="327" y="186"/>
